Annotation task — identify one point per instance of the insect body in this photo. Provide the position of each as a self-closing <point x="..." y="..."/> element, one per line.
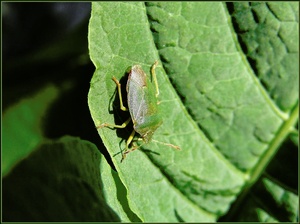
<point x="143" y="106"/>
<point x="142" y="103"/>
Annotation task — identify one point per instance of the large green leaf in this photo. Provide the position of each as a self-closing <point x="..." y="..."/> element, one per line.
<point x="228" y="125"/>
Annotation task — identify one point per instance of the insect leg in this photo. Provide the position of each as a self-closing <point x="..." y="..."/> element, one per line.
<point x="129" y="140"/>
<point x="154" y="77"/>
<point x="120" y="93"/>
<point x="114" y="125"/>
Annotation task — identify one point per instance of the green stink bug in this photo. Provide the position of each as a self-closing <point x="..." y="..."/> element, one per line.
<point x="143" y="106"/>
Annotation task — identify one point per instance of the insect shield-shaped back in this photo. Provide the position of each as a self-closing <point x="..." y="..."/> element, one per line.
<point x="142" y="103"/>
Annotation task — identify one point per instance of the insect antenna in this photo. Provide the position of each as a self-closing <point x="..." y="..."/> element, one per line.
<point x="167" y="144"/>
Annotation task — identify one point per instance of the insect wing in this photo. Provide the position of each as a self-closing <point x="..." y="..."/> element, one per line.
<point x="136" y="87"/>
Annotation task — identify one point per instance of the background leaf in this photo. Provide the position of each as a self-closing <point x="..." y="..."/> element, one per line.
<point x="15" y="123"/>
<point x="235" y="127"/>
<point x="58" y="182"/>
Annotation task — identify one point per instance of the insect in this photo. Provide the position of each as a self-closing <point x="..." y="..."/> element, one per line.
<point x="142" y="100"/>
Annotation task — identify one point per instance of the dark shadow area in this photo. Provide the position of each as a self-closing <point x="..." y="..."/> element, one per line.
<point x="284" y="167"/>
<point x="268" y="203"/>
<point x="179" y="218"/>
<point x="46" y="44"/>
<point x="121" y="116"/>
<point x="40" y="46"/>
<point x="149" y="152"/>
<point x="28" y="27"/>
<point x="122" y="198"/>
<point x="261" y="198"/>
<point x="50" y="47"/>
<point x="69" y="114"/>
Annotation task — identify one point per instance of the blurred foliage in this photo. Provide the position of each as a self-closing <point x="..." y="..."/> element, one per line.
<point x="36" y="56"/>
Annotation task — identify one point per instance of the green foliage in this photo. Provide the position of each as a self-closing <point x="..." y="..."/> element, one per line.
<point x="68" y="187"/>
<point x="24" y="120"/>
<point x="227" y="123"/>
<point x="228" y="76"/>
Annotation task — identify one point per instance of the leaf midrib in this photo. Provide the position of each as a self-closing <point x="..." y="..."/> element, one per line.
<point x="282" y="134"/>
